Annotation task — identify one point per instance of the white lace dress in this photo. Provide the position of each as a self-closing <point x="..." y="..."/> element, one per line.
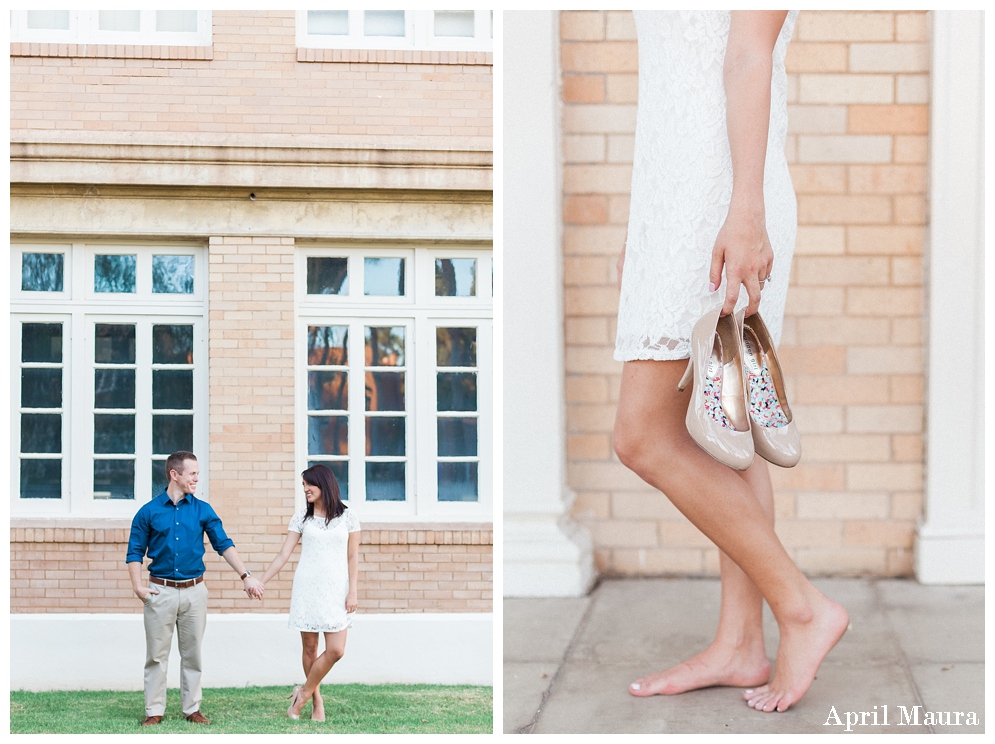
<point x="321" y="582"/>
<point x="682" y="184"/>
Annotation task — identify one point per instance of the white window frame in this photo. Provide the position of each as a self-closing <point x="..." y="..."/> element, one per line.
<point x="421" y="312"/>
<point x="418" y="24"/>
<point x="84" y="29"/>
<point x="79" y="309"/>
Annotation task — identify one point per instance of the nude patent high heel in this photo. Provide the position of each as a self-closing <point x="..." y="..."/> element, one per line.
<point x="293" y="701"/>
<point x="717" y="417"/>
<point x="775" y="436"/>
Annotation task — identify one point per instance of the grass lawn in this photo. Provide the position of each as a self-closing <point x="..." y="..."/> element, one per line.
<point x="349" y="709"/>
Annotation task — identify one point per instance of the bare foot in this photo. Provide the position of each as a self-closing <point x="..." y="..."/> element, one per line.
<point x="803" y="647"/>
<point x="317" y="708"/>
<point x="716" y="665"/>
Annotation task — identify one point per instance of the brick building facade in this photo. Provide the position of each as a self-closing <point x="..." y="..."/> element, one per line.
<point x="305" y="191"/>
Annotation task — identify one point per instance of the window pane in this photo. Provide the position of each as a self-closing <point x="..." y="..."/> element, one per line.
<point x="340" y="469"/>
<point x="383" y="277"/>
<point x="385" y="436"/>
<point x="328" y="22"/>
<point x="327" y="275"/>
<point x="118" y="20"/>
<point x="457" y="391"/>
<point x="176" y="20"/>
<point x="457" y="481"/>
<point x="41" y="479"/>
<point x="42" y="272"/>
<point x="113" y="479"/>
<point x="172" y="274"/>
<point x="41" y="342"/>
<point x="385" y="481"/>
<point x="384" y="391"/>
<point x="457" y="437"/>
<point x="454" y="23"/>
<point x="41" y="388"/>
<point x="383" y="23"/>
<point x="172" y="389"/>
<point x="455" y="277"/>
<point x="328" y="435"/>
<point x="159" y="479"/>
<point x="171" y="433"/>
<point x="114" y="434"/>
<point x="328" y="345"/>
<point x="114" y="344"/>
<point x="172" y="344"/>
<point x="41" y="432"/>
<point x="49" y="19"/>
<point x="327" y="391"/>
<point x="456" y="347"/>
<point x="113" y="388"/>
<point x="114" y="274"/>
<point x="385" y="346"/>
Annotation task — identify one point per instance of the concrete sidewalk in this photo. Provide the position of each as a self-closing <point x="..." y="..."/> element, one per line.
<point x="568" y="662"/>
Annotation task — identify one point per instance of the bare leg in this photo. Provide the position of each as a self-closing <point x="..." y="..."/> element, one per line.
<point x="309" y="644"/>
<point x="737" y="656"/>
<point x="652" y="440"/>
<point x="334" y="650"/>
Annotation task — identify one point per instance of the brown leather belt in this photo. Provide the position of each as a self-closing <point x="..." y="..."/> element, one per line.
<point x="177" y="584"/>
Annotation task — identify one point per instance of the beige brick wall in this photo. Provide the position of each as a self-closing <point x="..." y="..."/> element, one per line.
<point x="852" y="348"/>
<point x="253" y="84"/>
<point x="251" y="396"/>
<point x="412" y="569"/>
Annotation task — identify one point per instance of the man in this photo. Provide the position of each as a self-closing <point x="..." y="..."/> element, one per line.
<point x="171" y="528"/>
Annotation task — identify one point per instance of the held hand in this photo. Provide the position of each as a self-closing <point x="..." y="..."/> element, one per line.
<point x="351" y="602"/>
<point x="253" y="588"/>
<point x="743" y="247"/>
<point x="143" y="592"/>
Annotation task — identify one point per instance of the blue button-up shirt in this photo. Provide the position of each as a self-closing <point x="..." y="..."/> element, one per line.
<point x="173" y="534"/>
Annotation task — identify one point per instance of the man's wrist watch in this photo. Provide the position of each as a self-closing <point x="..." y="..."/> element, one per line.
<point x="247" y="573"/>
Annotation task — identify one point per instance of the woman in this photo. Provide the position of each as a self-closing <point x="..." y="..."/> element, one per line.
<point x="324" y="592"/>
<point x="711" y="196"/>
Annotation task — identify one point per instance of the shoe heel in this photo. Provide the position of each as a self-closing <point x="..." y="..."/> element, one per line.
<point x="688" y="374"/>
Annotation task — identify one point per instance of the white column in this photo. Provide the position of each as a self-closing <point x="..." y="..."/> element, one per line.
<point x="545" y="554"/>
<point x="950" y="545"/>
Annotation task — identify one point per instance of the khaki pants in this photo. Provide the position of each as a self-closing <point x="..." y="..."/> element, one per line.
<point x="186" y="610"/>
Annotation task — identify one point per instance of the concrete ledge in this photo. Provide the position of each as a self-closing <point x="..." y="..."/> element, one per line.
<point x="460" y="217"/>
<point x="226" y="165"/>
<point x="107" y="652"/>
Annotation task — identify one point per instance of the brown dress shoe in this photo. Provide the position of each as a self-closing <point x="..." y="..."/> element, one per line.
<point x="196" y="717"/>
<point x="152" y="720"/>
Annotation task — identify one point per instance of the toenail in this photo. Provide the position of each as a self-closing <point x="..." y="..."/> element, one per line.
<point x="749" y="692"/>
<point x="634" y="685"/>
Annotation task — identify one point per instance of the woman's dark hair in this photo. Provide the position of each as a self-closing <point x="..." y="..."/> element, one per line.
<point x="323" y="477"/>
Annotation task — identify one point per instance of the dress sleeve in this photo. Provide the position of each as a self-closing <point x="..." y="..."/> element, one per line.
<point x="351" y="521"/>
<point x="296" y="522"/>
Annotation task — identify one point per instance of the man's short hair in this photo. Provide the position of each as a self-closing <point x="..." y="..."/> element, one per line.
<point x="175" y="461"/>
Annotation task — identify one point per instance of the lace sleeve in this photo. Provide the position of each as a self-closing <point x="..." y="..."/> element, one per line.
<point x="296" y="522"/>
<point x="351" y="521"/>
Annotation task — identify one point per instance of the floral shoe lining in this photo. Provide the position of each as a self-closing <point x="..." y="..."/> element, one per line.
<point x="713" y="388"/>
<point x="765" y="409"/>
